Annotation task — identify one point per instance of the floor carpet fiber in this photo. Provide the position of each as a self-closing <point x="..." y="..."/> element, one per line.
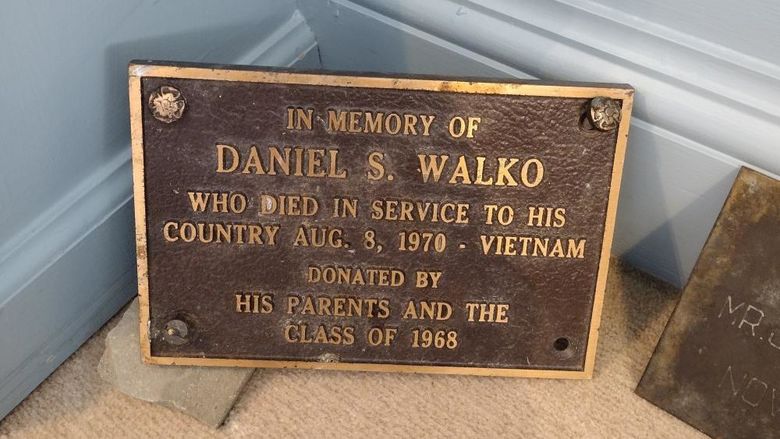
<point x="75" y="403"/>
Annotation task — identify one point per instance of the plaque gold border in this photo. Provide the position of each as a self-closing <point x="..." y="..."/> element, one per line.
<point x="138" y="70"/>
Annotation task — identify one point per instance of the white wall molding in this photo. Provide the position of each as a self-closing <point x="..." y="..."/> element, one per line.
<point x="73" y="266"/>
<point x="702" y="91"/>
<point x="701" y="110"/>
<point x="286" y="46"/>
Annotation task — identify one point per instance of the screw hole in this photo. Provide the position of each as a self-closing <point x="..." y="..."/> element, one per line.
<point x="561" y="344"/>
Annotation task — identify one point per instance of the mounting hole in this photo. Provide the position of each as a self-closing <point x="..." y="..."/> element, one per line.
<point x="561" y="344"/>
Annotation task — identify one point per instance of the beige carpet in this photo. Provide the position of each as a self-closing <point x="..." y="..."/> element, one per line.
<point x="75" y="403"/>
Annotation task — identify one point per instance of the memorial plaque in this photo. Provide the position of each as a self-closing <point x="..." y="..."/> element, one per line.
<point x="717" y="365"/>
<point x="372" y="223"/>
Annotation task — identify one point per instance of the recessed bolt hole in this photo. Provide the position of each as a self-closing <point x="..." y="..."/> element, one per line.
<point x="561" y="344"/>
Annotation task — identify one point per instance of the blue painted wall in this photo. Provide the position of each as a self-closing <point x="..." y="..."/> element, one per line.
<point x="707" y="76"/>
<point x="67" y="259"/>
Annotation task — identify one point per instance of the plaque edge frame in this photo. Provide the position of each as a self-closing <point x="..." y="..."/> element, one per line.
<point x="141" y="69"/>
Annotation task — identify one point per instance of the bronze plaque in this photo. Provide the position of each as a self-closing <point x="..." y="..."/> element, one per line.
<point x="371" y="223"/>
<point x="717" y="365"/>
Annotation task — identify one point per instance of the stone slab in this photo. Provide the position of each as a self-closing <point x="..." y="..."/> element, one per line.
<point x="206" y="394"/>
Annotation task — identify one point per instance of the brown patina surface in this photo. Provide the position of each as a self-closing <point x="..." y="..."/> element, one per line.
<point x="717" y="365"/>
<point x="549" y="298"/>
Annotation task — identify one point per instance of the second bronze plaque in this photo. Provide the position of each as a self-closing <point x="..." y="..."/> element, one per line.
<point x="369" y="223"/>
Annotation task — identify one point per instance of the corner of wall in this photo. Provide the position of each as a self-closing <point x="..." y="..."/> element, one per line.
<point x="700" y="111"/>
<point x="73" y="267"/>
